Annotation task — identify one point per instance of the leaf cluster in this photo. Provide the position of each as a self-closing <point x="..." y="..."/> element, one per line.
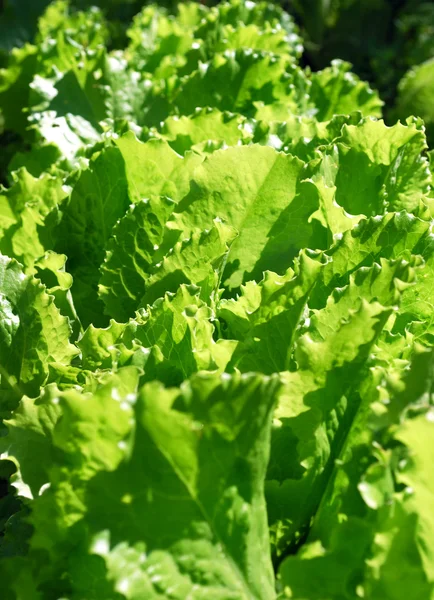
<point x="216" y="318"/>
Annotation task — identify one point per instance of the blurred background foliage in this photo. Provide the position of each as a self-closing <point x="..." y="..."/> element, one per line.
<point x="389" y="42"/>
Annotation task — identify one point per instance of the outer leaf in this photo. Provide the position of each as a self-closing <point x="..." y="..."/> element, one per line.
<point x="99" y="198"/>
<point x="170" y="341"/>
<point x="28" y="214"/>
<point x="320" y="400"/>
<point x="381" y="167"/>
<point x="154" y="169"/>
<point x="415" y="92"/>
<point x="269" y="206"/>
<point x="132" y="252"/>
<point x="364" y="502"/>
<point x="34" y="334"/>
<point x="392" y="236"/>
<point x="253" y="37"/>
<point x="185" y="133"/>
<point x="100" y="348"/>
<point x="178" y="329"/>
<point x="231" y="82"/>
<point x="242" y="539"/>
<point x="14" y="83"/>
<point x="265" y="317"/>
<point x="337" y="91"/>
<point x="199" y="260"/>
<point x="215" y="546"/>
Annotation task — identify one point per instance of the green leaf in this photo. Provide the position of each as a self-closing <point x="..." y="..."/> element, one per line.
<point x="99" y="198"/>
<point x="131" y="253"/>
<point x="15" y="83"/>
<point x="287" y="96"/>
<point x="28" y="442"/>
<point x="186" y="203"/>
<point x="170" y="340"/>
<point x="379" y="168"/>
<point x="155" y="36"/>
<point x="393" y="236"/>
<point x="256" y="38"/>
<point x="323" y="95"/>
<point x="408" y="537"/>
<point x="384" y="282"/>
<point x="417" y="301"/>
<point x="298" y="135"/>
<point x="239" y="11"/>
<point x="29" y="211"/>
<point x="337" y="91"/>
<point x="414" y="95"/>
<point x="265" y="316"/>
<point x="50" y="270"/>
<point x="269" y="206"/>
<point x="174" y="337"/>
<point x="127" y="90"/>
<point x="58" y="51"/>
<point x="33" y="332"/>
<point x="208" y="548"/>
<point x="100" y="347"/>
<point x="82" y="99"/>
<point x="231" y="81"/>
<point x="187" y="133"/>
<point x="313" y="416"/>
<point x="67" y="98"/>
<point x="199" y="260"/>
<point x="37" y="160"/>
<point x="154" y="169"/>
<point x="320" y="399"/>
<point x="373" y="515"/>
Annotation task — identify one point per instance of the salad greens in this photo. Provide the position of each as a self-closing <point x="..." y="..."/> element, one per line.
<point x="216" y="317"/>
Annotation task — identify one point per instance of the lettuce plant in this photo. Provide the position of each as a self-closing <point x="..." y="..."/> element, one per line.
<point x="216" y="299"/>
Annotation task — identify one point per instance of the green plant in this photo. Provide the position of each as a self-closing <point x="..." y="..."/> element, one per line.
<point x="216" y="328"/>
